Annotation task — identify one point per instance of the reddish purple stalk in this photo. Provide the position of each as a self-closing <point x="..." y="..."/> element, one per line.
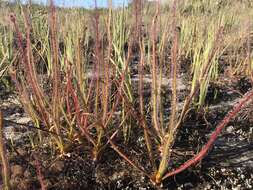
<point x="214" y="136"/>
<point x="39" y="174"/>
<point x="28" y="62"/>
<point x="81" y="119"/>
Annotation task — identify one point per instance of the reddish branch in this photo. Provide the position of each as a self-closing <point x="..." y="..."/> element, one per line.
<point x="214" y="135"/>
<point x="39" y="174"/>
<point x="81" y="119"/>
<point x="28" y="62"/>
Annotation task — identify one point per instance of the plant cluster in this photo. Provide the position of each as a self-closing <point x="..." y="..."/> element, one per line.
<point x="74" y="73"/>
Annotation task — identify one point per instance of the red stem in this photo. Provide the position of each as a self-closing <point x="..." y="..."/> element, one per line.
<point x="39" y="174"/>
<point x="213" y="137"/>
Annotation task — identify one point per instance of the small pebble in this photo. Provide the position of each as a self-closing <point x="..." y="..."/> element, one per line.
<point x="230" y="129"/>
<point x="27" y="174"/>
